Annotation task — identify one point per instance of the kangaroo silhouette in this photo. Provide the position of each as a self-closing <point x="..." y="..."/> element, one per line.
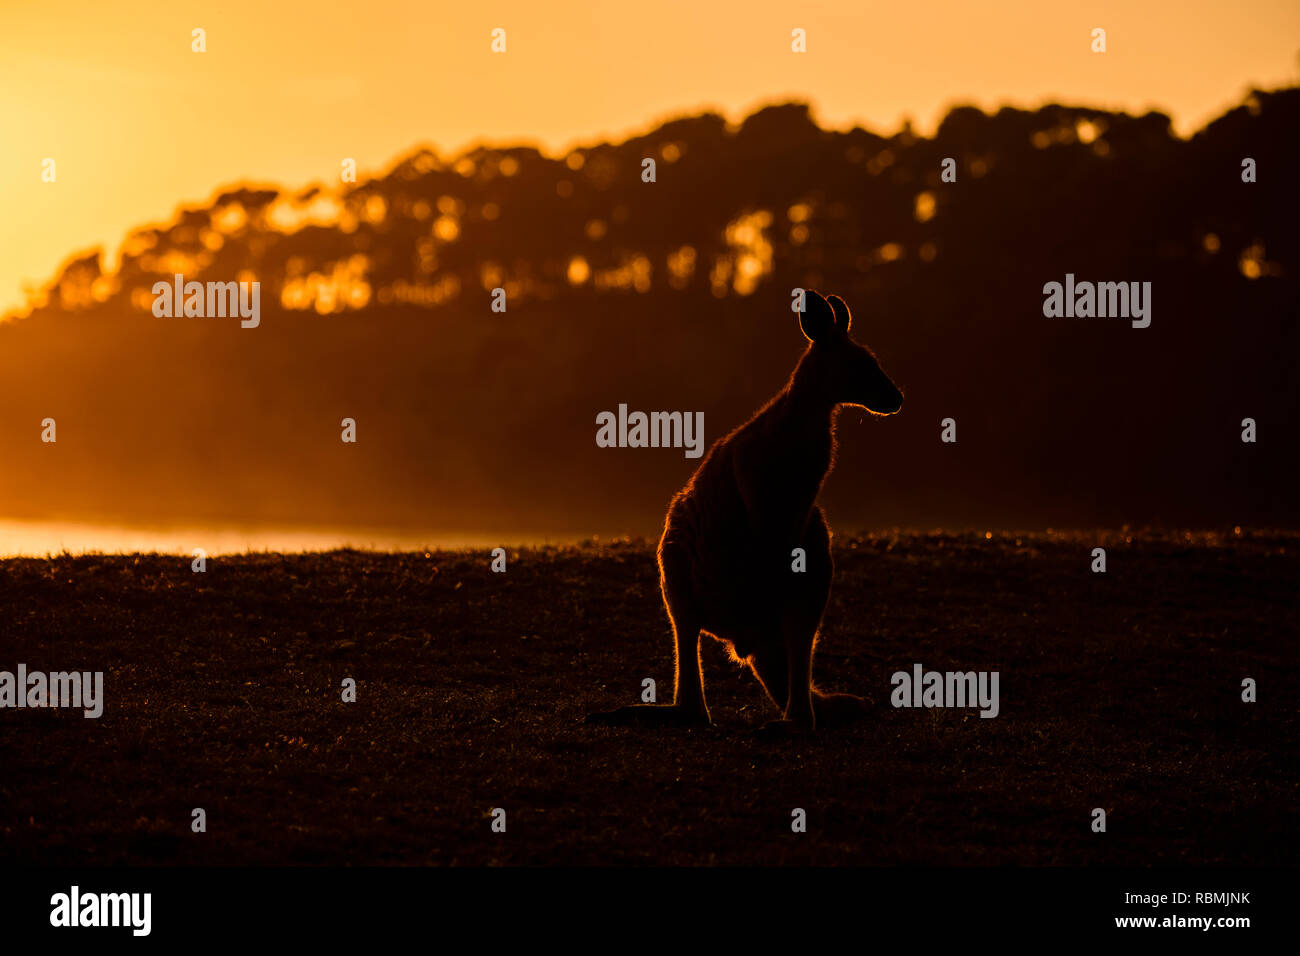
<point x="726" y="555"/>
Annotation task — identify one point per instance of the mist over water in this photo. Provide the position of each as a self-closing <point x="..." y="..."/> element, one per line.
<point x="42" y="538"/>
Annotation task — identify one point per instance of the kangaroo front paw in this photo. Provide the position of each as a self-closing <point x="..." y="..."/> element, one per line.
<point x="652" y="715"/>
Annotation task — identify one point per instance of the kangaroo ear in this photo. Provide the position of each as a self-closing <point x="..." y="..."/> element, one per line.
<point x="842" y="317"/>
<point x="817" y="318"/>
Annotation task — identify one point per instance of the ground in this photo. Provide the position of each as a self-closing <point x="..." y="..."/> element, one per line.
<point x="223" y="690"/>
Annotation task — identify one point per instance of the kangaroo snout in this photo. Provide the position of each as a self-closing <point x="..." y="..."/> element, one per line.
<point x="893" y="402"/>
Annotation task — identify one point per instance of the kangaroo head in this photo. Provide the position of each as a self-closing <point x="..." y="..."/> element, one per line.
<point x="835" y="367"/>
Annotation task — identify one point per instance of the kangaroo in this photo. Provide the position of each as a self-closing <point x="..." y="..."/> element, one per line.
<point x="725" y="558"/>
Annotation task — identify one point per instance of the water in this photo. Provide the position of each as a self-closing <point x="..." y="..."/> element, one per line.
<point x="41" y="538"/>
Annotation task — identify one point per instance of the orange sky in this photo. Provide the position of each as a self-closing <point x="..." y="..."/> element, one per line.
<point x="138" y="123"/>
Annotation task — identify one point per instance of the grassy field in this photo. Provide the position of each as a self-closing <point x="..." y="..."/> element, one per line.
<point x="223" y="691"/>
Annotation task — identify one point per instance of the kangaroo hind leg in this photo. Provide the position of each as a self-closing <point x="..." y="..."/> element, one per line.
<point x="688" y="707"/>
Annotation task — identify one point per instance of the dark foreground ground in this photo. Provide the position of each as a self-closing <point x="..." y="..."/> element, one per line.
<point x="1119" y="690"/>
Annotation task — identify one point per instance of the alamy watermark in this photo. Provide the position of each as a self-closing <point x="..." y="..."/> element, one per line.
<point x="922" y="688"/>
<point x="209" y="299"/>
<point x="653" y="430"/>
<point x="84" y="689"/>
<point x="1101" y="300"/>
<point x="75" y="908"/>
